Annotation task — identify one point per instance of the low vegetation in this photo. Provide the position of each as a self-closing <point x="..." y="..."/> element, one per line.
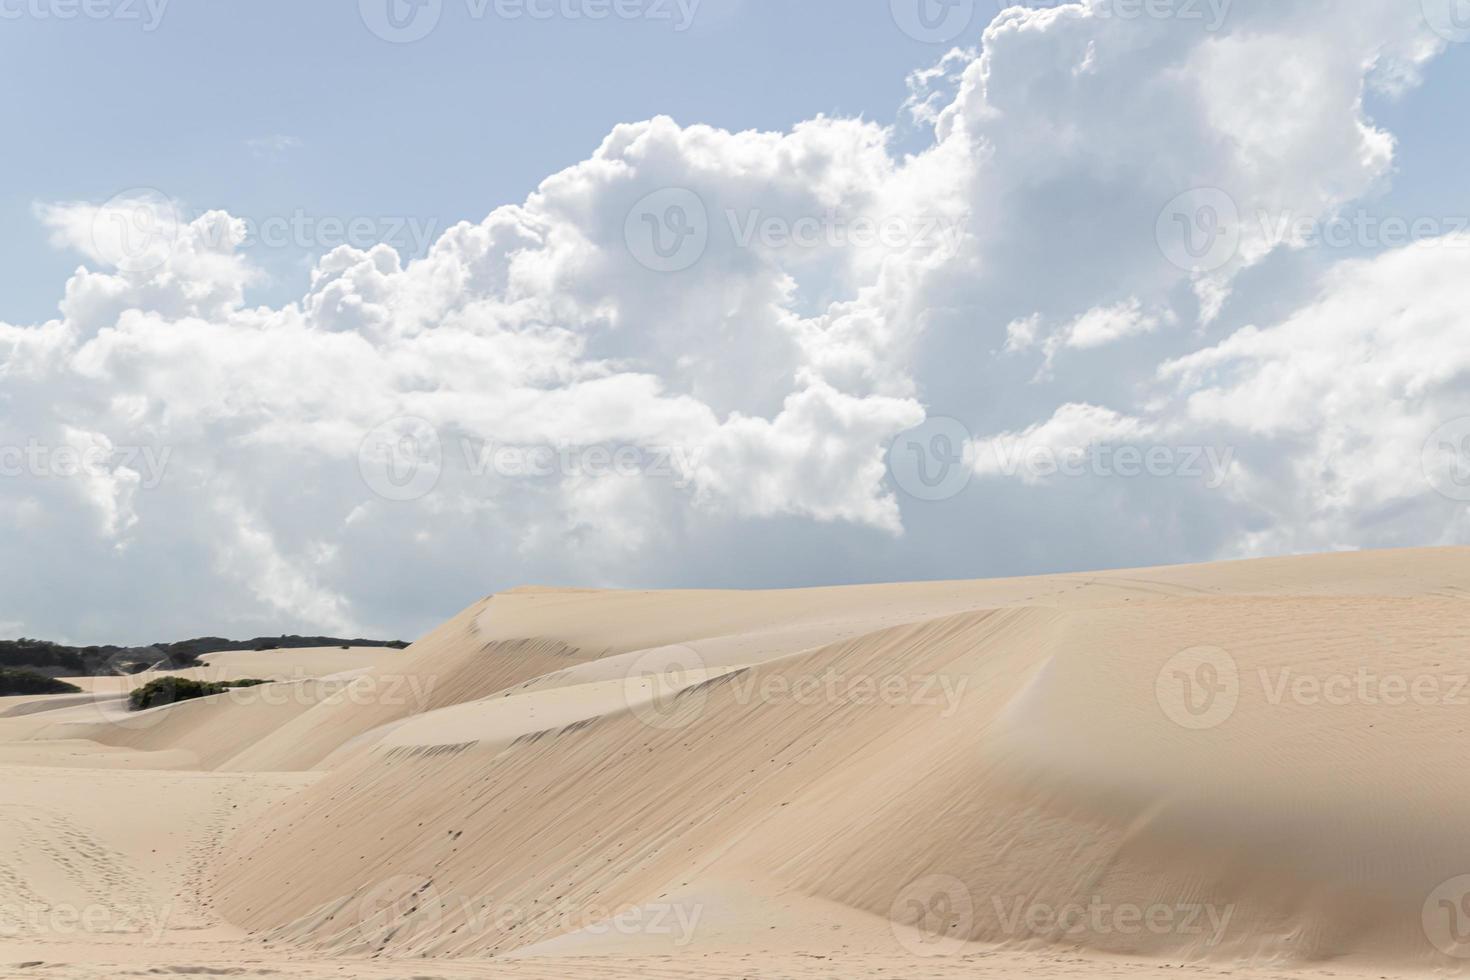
<point x="45" y="657"/>
<point x="171" y="690"/>
<point x="14" y="681"/>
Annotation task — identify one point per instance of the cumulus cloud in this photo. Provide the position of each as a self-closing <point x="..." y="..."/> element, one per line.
<point x="1097" y="327"/>
<point x="683" y="357"/>
<point x="1350" y="419"/>
<point x="1337" y="405"/>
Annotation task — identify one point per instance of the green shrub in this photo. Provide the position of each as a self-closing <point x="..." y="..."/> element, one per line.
<point x="30" y="682"/>
<point x="171" y="690"/>
<point x="45" y="657"/>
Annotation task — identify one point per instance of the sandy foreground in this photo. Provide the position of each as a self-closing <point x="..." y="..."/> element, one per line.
<point x="1253" y="769"/>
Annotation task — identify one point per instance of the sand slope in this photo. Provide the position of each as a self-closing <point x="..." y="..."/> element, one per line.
<point x="1249" y="768"/>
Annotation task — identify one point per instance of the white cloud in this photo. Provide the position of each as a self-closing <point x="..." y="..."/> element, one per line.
<point x="1098" y="327"/>
<point x="109" y="487"/>
<point x="1074" y="428"/>
<point x="1106" y="324"/>
<point x="1327" y="416"/>
<point x="1337" y="401"/>
<point x="248" y="554"/>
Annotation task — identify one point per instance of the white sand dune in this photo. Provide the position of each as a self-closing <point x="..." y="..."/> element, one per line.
<point x="1244" y="769"/>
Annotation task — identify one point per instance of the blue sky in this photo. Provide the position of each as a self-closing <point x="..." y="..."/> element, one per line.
<point x="481" y="110"/>
<point x="445" y="129"/>
<point x="285" y="425"/>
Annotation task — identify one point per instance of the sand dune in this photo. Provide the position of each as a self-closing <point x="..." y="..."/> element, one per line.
<point x="1243" y="769"/>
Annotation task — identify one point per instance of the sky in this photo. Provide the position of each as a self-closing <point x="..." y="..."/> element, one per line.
<point x="336" y="317"/>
